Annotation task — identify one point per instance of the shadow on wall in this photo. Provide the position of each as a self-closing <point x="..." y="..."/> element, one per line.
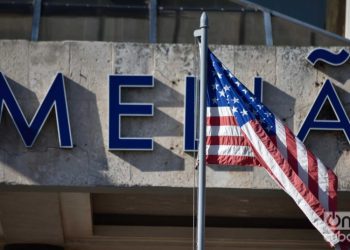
<point x="280" y="103"/>
<point x="160" y="124"/>
<point x="10" y="140"/>
<point x="161" y="159"/>
<point x="166" y="155"/>
<point x="323" y="142"/>
<point x="339" y="73"/>
<point x="166" y="96"/>
<point x="231" y="168"/>
<point x="45" y="163"/>
<point x="319" y="142"/>
<point x="332" y="141"/>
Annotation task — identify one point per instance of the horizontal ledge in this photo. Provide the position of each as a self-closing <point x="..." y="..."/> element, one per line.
<point x="215" y="236"/>
<point x="187" y="221"/>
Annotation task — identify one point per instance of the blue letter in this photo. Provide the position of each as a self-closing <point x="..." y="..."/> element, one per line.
<point x="311" y="122"/>
<point x="118" y="109"/>
<point x="258" y="88"/>
<point x="327" y="56"/>
<point x="190" y="142"/>
<point x="56" y="97"/>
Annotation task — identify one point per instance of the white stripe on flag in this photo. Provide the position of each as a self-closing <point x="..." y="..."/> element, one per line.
<point x="223" y="131"/>
<point x="323" y="183"/>
<point x="281" y="138"/>
<point x="229" y="150"/>
<point x="303" y="170"/>
<point x="259" y="146"/>
<point x="219" y="111"/>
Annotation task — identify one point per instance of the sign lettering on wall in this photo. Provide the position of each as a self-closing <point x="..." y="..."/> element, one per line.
<point x="312" y="123"/>
<point x="117" y="110"/>
<point x="56" y="99"/>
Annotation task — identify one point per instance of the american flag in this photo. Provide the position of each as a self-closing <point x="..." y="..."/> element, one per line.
<point x="242" y="131"/>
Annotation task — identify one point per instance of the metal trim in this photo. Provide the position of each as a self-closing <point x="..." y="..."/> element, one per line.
<point x="36" y="20"/>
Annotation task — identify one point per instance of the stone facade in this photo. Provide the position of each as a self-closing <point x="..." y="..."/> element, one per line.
<point x="291" y="85"/>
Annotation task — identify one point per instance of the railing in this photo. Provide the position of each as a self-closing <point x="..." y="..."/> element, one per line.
<point x="155" y="9"/>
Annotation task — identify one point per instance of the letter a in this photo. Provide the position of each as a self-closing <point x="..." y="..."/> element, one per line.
<point x="311" y="122"/>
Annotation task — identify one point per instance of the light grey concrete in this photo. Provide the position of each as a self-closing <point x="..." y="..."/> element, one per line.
<point x="291" y="85"/>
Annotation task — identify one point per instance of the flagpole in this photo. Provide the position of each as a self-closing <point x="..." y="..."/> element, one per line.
<point x="202" y="33"/>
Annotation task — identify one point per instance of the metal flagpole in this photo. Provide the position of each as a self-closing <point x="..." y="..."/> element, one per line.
<point x="201" y="33"/>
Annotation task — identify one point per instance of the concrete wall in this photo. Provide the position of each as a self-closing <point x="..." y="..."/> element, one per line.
<point x="291" y="85"/>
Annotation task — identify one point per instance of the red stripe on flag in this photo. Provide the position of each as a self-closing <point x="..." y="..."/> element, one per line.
<point x="221" y="120"/>
<point x="312" y="173"/>
<point x="227" y="140"/>
<point x="266" y="149"/>
<point x="332" y="190"/>
<point x="302" y="189"/>
<point x="291" y="150"/>
<point x="274" y="139"/>
<point x="231" y="160"/>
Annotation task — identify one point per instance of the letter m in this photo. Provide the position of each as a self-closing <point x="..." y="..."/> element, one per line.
<point x="55" y="98"/>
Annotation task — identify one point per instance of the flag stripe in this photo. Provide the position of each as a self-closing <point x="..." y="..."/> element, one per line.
<point x="227" y="140"/>
<point x="302" y="162"/>
<point x="229" y="150"/>
<point x="314" y="170"/>
<point x="292" y="150"/>
<point x="223" y="131"/>
<point x="231" y="160"/>
<point x="219" y="111"/>
<point x="281" y="138"/>
<point x="332" y="190"/>
<point x="323" y="184"/>
<point x="279" y="168"/>
<point x="221" y="121"/>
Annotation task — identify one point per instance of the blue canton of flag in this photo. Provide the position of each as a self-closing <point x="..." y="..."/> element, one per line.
<point x="226" y="90"/>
